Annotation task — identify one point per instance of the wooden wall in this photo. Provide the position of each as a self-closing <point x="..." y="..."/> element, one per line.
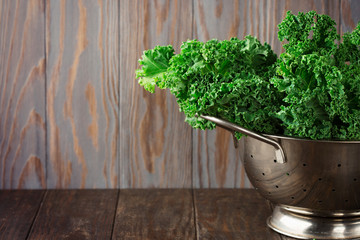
<point x="72" y="113"/>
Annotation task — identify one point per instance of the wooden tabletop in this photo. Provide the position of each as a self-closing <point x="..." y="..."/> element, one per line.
<point x="135" y="214"/>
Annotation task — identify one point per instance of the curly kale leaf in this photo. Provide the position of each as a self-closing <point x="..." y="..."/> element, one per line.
<point x="312" y="90"/>
<point x="348" y="62"/>
<point x="314" y="95"/>
<point x="319" y="78"/>
<point x="228" y="79"/>
<point x="308" y="33"/>
<point x="155" y="63"/>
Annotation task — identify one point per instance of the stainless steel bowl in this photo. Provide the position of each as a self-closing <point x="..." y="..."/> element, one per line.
<point x="315" y="185"/>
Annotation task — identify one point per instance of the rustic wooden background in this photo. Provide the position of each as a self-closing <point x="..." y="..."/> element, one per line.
<point x="72" y="114"/>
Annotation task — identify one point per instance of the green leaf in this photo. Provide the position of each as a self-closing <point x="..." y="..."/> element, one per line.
<point x="312" y="90"/>
<point x="155" y="63"/>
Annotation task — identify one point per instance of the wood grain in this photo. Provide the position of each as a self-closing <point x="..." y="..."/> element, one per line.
<point x="350" y="16"/>
<point x="82" y="93"/>
<point x="215" y="161"/>
<point x="18" y="209"/>
<point x="75" y="214"/>
<point x="155" y="143"/>
<point x="232" y="214"/>
<point x="22" y="95"/>
<point x="155" y="214"/>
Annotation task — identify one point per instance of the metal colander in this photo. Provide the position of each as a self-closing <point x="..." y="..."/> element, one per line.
<point x="315" y="185"/>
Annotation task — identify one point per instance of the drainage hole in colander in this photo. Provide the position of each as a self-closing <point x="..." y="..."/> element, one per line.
<point x="320" y="179"/>
<point x="269" y="193"/>
<point x="288" y="174"/>
<point x="346" y="200"/>
<point x="277" y="186"/>
<point x="319" y="201"/>
<point x="304" y="190"/>
<point x="275" y="161"/>
<point x="339" y="165"/>
<point x="263" y="174"/>
<point x="355" y="179"/>
<point x="292" y="197"/>
<point x="304" y="164"/>
<point x="251" y="156"/>
<point x="333" y="190"/>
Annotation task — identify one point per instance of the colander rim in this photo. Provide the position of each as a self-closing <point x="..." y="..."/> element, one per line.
<point x="312" y="140"/>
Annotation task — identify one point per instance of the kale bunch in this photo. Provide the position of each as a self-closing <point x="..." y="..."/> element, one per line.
<point x="319" y="77"/>
<point x="228" y="79"/>
<point x="311" y="91"/>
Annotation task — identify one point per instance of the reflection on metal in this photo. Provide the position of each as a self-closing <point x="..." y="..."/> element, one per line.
<point x="317" y="191"/>
<point x="280" y="156"/>
<point x="305" y="227"/>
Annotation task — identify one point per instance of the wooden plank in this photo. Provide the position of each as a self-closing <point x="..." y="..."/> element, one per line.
<point x="82" y="93"/>
<point x="76" y="214"/>
<point x="349" y="15"/>
<point x="215" y="161"/>
<point x="18" y="210"/>
<point x="22" y="95"/>
<point x="232" y="214"/>
<point x="226" y="19"/>
<point x="155" y="143"/>
<point x="154" y="214"/>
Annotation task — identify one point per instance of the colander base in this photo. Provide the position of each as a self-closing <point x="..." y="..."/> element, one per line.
<point x="313" y="227"/>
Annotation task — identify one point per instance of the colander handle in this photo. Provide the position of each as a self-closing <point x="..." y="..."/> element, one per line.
<point x="279" y="152"/>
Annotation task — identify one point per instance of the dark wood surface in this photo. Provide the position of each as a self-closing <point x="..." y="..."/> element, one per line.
<point x="155" y="214"/>
<point x="231" y="214"/>
<point x="135" y="214"/>
<point x="75" y="214"/>
<point x="18" y="209"/>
